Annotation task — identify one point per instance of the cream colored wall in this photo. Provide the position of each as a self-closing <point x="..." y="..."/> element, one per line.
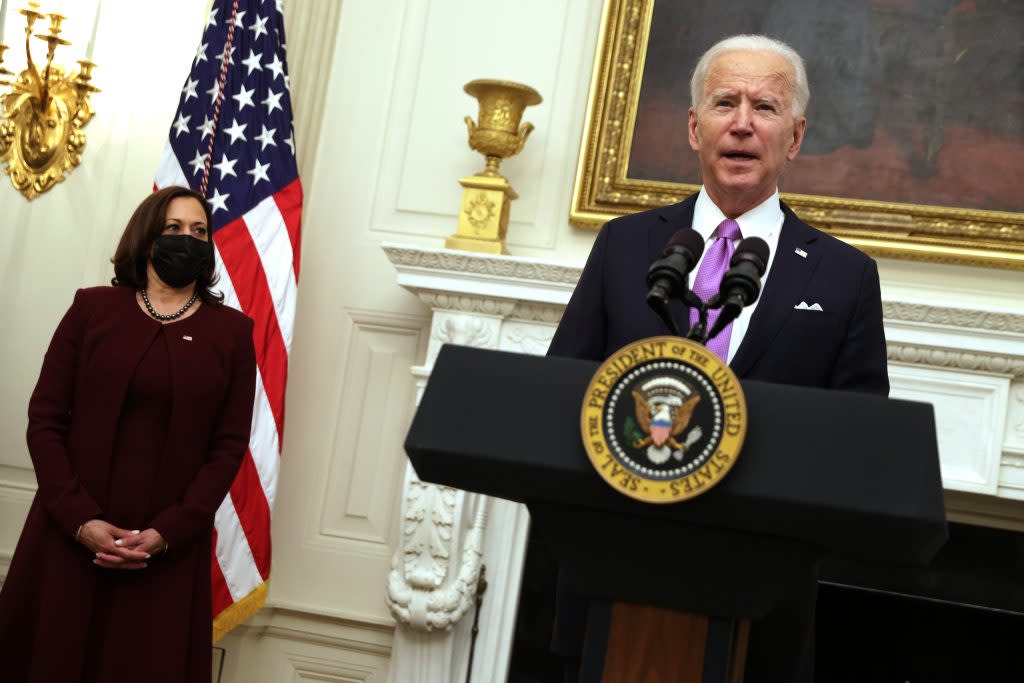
<point x="377" y="89"/>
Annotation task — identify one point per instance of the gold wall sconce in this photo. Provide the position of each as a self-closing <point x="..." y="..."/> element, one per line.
<point x="43" y="109"/>
<point x="487" y="195"/>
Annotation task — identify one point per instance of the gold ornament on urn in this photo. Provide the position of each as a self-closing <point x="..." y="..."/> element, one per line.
<point x="486" y="196"/>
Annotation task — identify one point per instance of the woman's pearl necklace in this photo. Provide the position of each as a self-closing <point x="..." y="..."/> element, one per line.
<point x="169" y="316"/>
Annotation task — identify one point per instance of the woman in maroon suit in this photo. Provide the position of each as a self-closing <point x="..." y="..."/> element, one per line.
<point x="137" y="426"/>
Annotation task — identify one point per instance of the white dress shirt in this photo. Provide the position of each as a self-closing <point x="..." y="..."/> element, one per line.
<point x="764" y="221"/>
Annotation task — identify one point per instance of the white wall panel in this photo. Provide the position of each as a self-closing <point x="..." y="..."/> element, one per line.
<point x="292" y="646"/>
<point x="335" y="527"/>
<point x="447" y="43"/>
<point x="463" y="41"/>
<point x="373" y="414"/>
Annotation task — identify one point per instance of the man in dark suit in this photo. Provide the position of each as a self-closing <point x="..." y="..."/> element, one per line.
<point x="818" y="321"/>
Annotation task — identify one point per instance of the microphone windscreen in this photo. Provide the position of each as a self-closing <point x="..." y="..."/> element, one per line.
<point x="689" y="239"/>
<point x="753" y="249"/>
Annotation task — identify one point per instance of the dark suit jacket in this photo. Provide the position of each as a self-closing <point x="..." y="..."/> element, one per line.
<point x="841" y="347"/>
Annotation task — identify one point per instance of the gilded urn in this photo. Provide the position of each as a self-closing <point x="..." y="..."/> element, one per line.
<point x="498" y="133"/>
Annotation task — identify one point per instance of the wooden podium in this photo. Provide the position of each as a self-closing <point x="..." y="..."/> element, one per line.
<point x="821" y="473"/>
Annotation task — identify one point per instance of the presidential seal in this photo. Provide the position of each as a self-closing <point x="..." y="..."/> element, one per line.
<point x="663" y="419"/>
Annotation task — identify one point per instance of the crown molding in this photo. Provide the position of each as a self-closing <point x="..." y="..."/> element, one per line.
<point x="486" y="275"/>
<point x="917" y="354"/>
<point x="948" y="316"/>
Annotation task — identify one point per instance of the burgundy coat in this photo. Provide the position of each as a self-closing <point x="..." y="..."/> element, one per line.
<point x="47" y="602"/>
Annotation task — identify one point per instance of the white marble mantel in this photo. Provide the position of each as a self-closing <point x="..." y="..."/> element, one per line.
<point x="968" y="363"/>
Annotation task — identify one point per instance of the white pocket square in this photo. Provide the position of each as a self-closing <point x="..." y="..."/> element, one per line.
<point x="802" y="306"/>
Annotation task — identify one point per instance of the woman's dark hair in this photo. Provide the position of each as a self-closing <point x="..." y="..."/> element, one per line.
<point x="145" y="225"/>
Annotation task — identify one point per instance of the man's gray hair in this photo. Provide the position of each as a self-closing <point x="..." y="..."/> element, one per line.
<point x="747" y="43"/>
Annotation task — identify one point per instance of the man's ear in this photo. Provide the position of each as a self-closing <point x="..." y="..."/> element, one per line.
<point x="798" y="137"/>
<point x="692" y="126"/>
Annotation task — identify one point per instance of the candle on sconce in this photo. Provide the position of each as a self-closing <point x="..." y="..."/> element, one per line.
<point x="95" y="27"/>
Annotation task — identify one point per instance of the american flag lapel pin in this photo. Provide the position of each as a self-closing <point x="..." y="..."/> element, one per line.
<point x="801" y="253"/>
<point x="187" y="338"/>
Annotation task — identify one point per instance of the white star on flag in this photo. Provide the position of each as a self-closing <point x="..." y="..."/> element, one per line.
<point x="189" y="91"/>
<point x="244" y="97"/>
<point x="277" y="66"/>
<point x="236" y="131"/>
<point x="206" y="128"/>
<point x="181" y="124"/>
<point x="266" y="138"/>
<point x="259" y="172"/>
<point x="290" y="142"/>
<point x="226" y="167"/>
<point x="213" y="92"/>
<point x="273" y="101"/>
<point x="253" y="61"/>
<point x="218" y="201"/>
<point x="238" y="19"/>
<point x="199" y="163"/>
<point x="201" y="53"/>
<point x="259" y="27"/>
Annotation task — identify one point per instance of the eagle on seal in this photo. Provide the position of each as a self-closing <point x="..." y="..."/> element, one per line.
<point x="662" y="424"/>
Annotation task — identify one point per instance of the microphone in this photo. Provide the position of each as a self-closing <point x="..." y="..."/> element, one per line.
<point x="666" y="277"/>
<point x="741" y="284"/>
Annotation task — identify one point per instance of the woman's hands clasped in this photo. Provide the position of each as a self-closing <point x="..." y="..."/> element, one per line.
<point x="117" y="548"/>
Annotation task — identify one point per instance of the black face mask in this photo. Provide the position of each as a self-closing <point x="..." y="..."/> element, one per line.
<point x="179" y="259"/>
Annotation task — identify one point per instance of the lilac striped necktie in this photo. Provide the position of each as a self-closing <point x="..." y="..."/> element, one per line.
<point x="709" y="279"/>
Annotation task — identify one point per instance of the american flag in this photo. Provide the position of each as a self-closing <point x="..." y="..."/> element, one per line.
<point x="232" y="140"/>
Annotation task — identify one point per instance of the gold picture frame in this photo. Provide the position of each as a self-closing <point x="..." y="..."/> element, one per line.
<point x="604" y="190"/>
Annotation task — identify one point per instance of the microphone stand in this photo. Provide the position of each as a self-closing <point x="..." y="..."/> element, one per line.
<point x="663" y="311"/>
<point x="696" y="332"/>
<point x="661" y="308"/>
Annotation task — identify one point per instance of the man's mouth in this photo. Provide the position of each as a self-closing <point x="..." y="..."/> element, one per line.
<point x="740" y="156"/>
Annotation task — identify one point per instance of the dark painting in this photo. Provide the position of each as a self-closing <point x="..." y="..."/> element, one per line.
<point x="912" y="101"/>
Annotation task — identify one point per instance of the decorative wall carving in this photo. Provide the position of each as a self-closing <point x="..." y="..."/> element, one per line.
<point x="526" y="337"/>
<point x="962" y="318"/>
<point x="544" y="313"/>
<point x="429" y="517"/>
<point x="466" y="303"/>
<point x="481" y="264"/>
<point x="465" y="330"/>
<point x="914" y="354"/>
<point x="420" y="591"/>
